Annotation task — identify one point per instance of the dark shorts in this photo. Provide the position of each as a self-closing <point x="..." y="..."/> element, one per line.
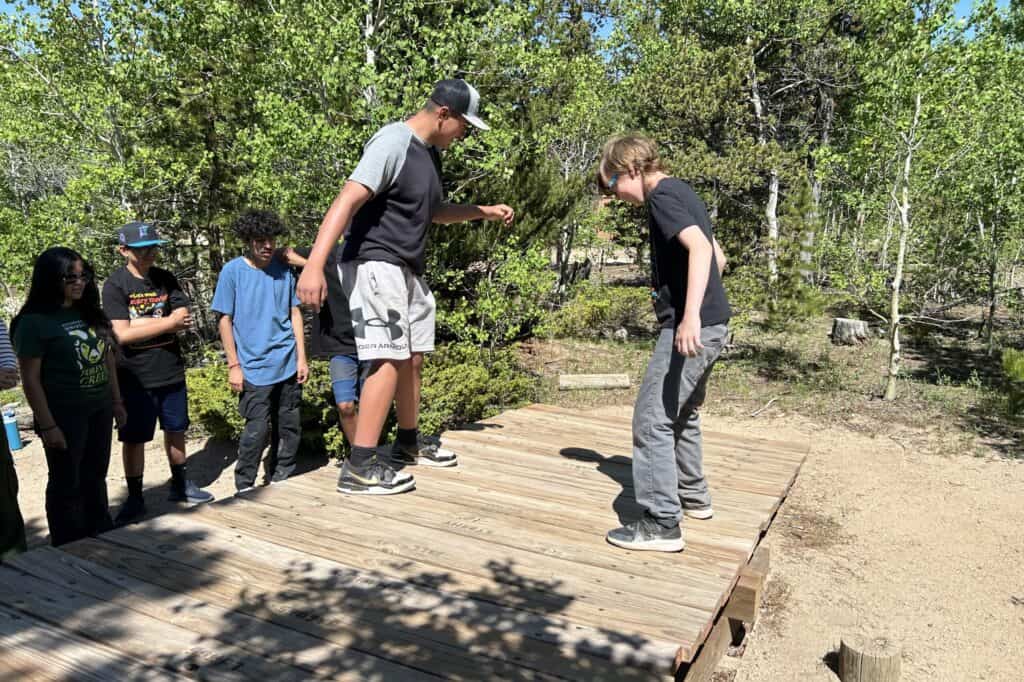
<point x="347" y="377"/>
<point x="169" y="404"/>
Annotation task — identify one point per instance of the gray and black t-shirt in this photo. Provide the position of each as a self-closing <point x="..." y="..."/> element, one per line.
<point x="404" y="175"/>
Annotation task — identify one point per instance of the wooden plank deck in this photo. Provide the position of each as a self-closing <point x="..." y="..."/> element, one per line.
<point x="495" y="569"/>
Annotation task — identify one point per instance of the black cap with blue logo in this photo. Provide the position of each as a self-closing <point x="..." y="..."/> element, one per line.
<point x="138" y="235"/>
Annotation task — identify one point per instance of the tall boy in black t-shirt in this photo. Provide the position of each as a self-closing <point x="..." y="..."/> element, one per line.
<point x="384" y="210"/>
<point x="690" y="303"/>
<point x="147" y="308"/>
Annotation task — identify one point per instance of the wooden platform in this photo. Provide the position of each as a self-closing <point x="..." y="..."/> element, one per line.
<point x="495" y="569"/>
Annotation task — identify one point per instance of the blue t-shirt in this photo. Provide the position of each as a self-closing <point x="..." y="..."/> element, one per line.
<point x="260" y="303"/>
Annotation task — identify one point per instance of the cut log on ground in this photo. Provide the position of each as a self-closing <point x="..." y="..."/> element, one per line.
<point x="863" y="659"/>
<point x="570" y="382"/>
<point x="848" y="332"/>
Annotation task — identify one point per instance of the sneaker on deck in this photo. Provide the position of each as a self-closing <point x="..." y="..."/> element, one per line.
<point x="375" y="478"/>
<point x="133" y="509"/>
<point x="700" y="513"/>
<point x="192" y="494"/>
<point x="646" y="534"/>
<point x="425" y="452"/>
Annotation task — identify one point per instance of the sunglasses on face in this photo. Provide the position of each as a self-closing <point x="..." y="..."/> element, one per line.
<point x="83" y="277"/>
<point x="144" y="249"/>
<point x="608" y="186"/>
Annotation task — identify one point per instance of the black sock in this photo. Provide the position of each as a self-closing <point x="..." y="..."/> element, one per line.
<point x="178" y="477"/>
<point x="408" y="436"/>
<point x="360" y="456"/>
<point x="134" y="486"/>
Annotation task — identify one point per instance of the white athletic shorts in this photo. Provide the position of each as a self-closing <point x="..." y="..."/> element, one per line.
<point x="393" y="310"/>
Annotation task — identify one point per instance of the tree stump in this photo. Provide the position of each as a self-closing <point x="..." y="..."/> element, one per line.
<point x="848" y="332"/>
<point x="863" y="659"/>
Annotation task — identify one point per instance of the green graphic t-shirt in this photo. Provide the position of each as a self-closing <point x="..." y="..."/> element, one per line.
<point x="74" y="371"/>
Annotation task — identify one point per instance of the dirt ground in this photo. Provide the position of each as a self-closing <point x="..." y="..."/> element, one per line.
<point x="876" y="538"/>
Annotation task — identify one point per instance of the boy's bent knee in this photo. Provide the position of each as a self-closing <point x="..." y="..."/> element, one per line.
<point x="347" y="409"/>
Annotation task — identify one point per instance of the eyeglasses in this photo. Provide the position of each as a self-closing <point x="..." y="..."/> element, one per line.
<point x="144" y="249"/>
<point x="84" y="277"/>
<point x="612" y="181"/>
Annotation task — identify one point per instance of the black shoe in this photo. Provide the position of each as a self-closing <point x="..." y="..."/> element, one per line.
<point x="133" y="509"/>
<point x="192" y="494"/>
<point x="425" y="453"/>
<point x="647" y="534"/>
<point x="375" y="478"/>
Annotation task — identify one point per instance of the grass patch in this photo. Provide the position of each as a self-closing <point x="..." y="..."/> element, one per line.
<point x="950" y="398"/>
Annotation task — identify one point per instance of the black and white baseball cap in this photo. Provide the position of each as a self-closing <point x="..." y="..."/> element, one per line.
<point x="460" y="97"/>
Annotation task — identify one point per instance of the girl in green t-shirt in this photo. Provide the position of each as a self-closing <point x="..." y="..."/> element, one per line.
<point x="65" y="349"/>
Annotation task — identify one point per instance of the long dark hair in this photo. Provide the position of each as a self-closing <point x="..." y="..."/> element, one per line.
<point x="46" y="296"/>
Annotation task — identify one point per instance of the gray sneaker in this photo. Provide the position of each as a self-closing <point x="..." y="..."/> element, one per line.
<point x="646" y="534"/>
<point x="374" y="478"/>
<point x="192" y="494"/>
<point x="425" y="452"/>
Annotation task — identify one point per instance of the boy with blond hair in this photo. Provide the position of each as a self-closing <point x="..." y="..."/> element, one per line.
<point x="693" y="313"/>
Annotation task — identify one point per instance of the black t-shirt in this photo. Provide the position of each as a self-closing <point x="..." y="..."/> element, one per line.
<point x="332" y="328"/>
<point x="404" y="174"/>
<point x="156" y="361"/>
<point x="673" y="206"/>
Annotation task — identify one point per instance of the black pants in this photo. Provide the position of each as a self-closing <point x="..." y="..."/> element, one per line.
<point x="270" y="412"/>
<point x="76" y="491"/>
<point x="12" y="530"/>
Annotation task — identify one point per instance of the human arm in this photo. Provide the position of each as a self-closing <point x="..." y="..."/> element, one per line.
<point x="460" y="213"/>
<point x="312" y="286"/>
<point x="719" y="256"/>
<point x="227" y="340"/>
<point x="699" y="250"/>
<point x="120" y="414"/>
<point x="145" y="328"/>
<point x="32" y="383"/>
<point x="298" y="327"/>
<point x="291" y="257"/>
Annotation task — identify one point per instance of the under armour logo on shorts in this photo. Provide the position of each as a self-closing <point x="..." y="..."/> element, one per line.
<point x="360" y="324"/>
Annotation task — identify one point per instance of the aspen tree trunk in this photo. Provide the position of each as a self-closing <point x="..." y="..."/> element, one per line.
<point x="771" y="207"/>
<point x="370" y="27"/>
<point x="910" y="140"/>
<point x="993" y="294"/>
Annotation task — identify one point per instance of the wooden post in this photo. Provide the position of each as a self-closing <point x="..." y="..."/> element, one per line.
<point x="868" y="660"/>
<point x="569" y="382"/>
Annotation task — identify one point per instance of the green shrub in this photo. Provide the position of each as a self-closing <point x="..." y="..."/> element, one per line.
<point x="13" y="395"/>
<point x="461" y="383"/>
<point x="212" y="406"/>
<point x="501" y="301"/>
<point x="1013" y="365"/>
<point x="597" y="310"/>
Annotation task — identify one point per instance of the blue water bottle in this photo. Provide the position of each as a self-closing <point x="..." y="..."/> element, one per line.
<point x="11" y="426"/>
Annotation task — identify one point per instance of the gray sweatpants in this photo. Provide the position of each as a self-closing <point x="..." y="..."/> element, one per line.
<point x="668" y="458"/>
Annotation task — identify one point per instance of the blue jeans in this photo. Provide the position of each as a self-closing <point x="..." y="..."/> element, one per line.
<point x="668" y="456"/>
